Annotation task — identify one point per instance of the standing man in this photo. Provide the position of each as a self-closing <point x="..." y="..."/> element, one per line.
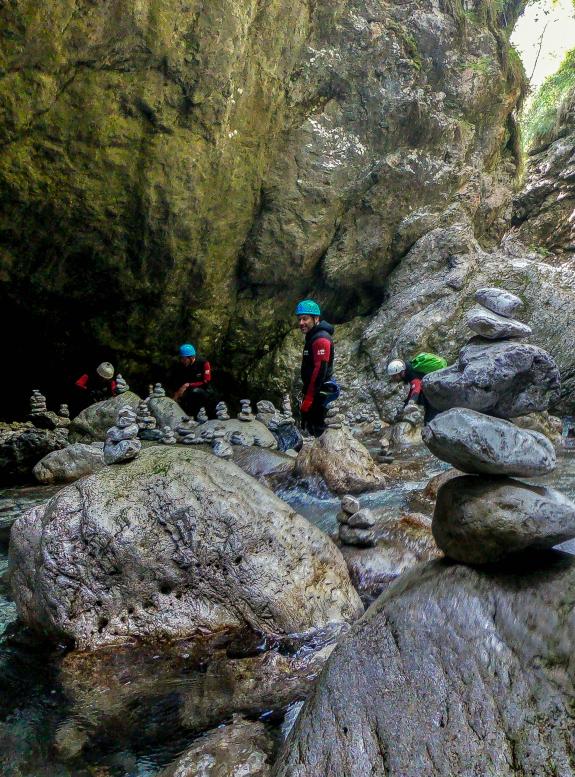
<point x="316" y="367"/>
<point x="190" y="380"/>
<point x="413" y="373"/>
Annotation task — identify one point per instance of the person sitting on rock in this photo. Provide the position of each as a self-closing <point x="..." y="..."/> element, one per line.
<point x="190" y="381"/>
<point x="95" y="386"/>
<point x="413" y="373"/>
<point x="319" y="388"/>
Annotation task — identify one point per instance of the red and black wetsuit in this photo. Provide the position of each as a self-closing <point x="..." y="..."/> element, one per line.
<point x="198" y="375"/>
<point x="416" y="393"/>
<point x="316" y="368"/>
<point x="91" y="388"/>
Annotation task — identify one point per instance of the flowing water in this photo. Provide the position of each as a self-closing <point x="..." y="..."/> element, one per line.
<point x="124" y="731"/>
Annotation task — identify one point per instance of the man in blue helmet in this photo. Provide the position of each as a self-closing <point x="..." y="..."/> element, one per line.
<point x="316" y="367"/>
<point x="190" y="380"/>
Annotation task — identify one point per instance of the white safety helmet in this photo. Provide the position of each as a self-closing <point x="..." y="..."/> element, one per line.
<point x="105" y="370"/>
<point x="395" y="367"/>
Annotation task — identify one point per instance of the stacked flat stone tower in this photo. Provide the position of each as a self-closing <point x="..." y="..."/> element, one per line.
<point x="122" y="442"/>
<point x="488" y="514"/>
<point x="355" y="523"/>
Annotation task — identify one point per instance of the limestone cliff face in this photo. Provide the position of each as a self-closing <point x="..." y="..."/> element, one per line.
<point x="544" y="210"/>
<point x="177" y="169"/>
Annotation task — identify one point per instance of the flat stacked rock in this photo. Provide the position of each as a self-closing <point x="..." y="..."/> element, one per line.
<point x="64" y="411"/>
<point x="122" y="442"/>
<point x="121" y="385"/>
<point x="486" y="517"/>
<point x="168" y="436"/>
<point x="334" y="419"/>
<point x="41" y="417"/>
<point x="245" y="413"/>
<point x="265" y="411"/>
<point x="220" y="447"/>
<point x="202" y="416"/>
<point x="237" y="438"/>
<point x="186" y="428"/>
<point x="158" y="391"/>
<point x="147" y="423"/>
<point x="355" y="524"/>
<point x="37" y="403"/>
<point x="222" y="412"/>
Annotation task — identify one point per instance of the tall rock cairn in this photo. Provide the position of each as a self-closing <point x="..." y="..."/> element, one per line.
<point x="487" y="515"/>
<point x="122" y="442"/>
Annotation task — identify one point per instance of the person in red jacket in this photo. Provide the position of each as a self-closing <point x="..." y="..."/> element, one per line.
<point x="190" y="381"/>
<point x="316" y="367"/>
<point x="95" y="386"/>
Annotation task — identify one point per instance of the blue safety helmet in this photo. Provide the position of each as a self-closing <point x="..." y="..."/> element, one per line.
<point x="187" y="350"/>
<point x="307" y="307"/>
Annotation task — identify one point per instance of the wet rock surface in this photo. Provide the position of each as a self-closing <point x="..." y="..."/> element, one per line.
<point x="499" y="301"/>
<point x="503" y="379"/>
<point x="477" y="443"/>
<point x="70" y="463"/>
<point x="479" y="520"/>
<point x="166" y="411"/>
<point x="20" y="451"/>
<point x="443" y="646"/>
<point x="173" y="542"/>
<point x="241" y="748"/>
<point x="493" y="326"/>
<point x="341" y="461"/>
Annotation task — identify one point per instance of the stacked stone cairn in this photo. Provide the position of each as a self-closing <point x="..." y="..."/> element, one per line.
<point x="122" y="442"/>
<point x="487" y="514"/>
<point x="222" y="412"/>
<point x="185" y="430"/>
<point x="220" y="447"/>
<point x="237" y="438"/>
<point x="64" y="411"/>
<point x="147" y="423"/>
<point x="168" y="436"/>
<point x="207" y="435"/>
<point x="334" y="419"/>
<point x="202" y="416"/>
<point x="286" y="408"/>
<point x="37" y="403"/>
<point x="158" y="391"/>
<point x="121" y="385"/>
<point x="355" y="523"/>
<point x="245" y="413"/>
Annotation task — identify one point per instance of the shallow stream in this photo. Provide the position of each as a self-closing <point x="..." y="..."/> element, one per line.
<point x="36" y="708"/>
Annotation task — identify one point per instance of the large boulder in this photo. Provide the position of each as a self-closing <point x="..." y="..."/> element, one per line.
<point x="504" y="379"/>
<point x="492" y="326"/>
<point x="271" y="467"/>
<point x="93" y="422"/>
<point x="166" y="411"/>
<point x="241" y="747"/>
<point x="21" y="449"/>
<point x="453" y="671"/>
<point x="250" y="430"/>
<point x="341" y="461"/>
<point x="480" y="520"/>
<point x="175" y="542"/>
<point x="478" y="443"/>
<point x="70" y="463"/>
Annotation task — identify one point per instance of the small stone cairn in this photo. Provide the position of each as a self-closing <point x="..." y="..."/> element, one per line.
<point x="222" y="412"/>
<point x="287" y="408"/>
<point x="158" y="391"/>
<point x="238" y="438"/>
<point x="168" y="436"/>
<point x="64" y="411"/>
<point x="220" y="447"/>
<point x="122" y="442"/>
<point x="245" y="413"/>
<point x="355" y="523"/>
<point x="202" y="416"/>
<point x="334" y="419"/>
<point x="121" y="385"/>
<point x="487" y="515"/>
<point x="186" y="429"/>
<point x="37" y="403"/>
<point x="144" y="418"/>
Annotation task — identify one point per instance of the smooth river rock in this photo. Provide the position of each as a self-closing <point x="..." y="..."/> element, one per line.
<point x="94" y="422"/>
<point x="453" y="671"/>
<point x="341" y="461"/>
<point x="479" y="520"/>
<point x="70" y="463"/>
<point x="478" y="443"/>
<point x="20" y="451"/>
<point x="504" y="379"/>
<point x="173" y="543"/>
<point x="499" y="301"/>
<point x="494" y="327"/>
<point x="166" y="411"/>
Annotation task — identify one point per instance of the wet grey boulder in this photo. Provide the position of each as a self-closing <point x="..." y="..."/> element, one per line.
<point x="93" y="422"/>
<point x="477" y="443"/>
<point x="503" y="379"/>
<point x="453" y="671"/>
<point x="479" y="520"/>
<point x="175" y="542"/>
<point x="166" y="411"/>
<point x="501" y="302"/>
<point x="69" y="463"/>
<point x="495" y="327"/>
<point x="271" y="467"/>
<point x="22" y="449"/>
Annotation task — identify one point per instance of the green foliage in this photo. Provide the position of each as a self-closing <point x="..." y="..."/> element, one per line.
<point x="542" y="119"/>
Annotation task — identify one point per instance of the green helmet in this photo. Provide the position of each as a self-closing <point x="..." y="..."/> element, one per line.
<point x="307" y="307"/>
